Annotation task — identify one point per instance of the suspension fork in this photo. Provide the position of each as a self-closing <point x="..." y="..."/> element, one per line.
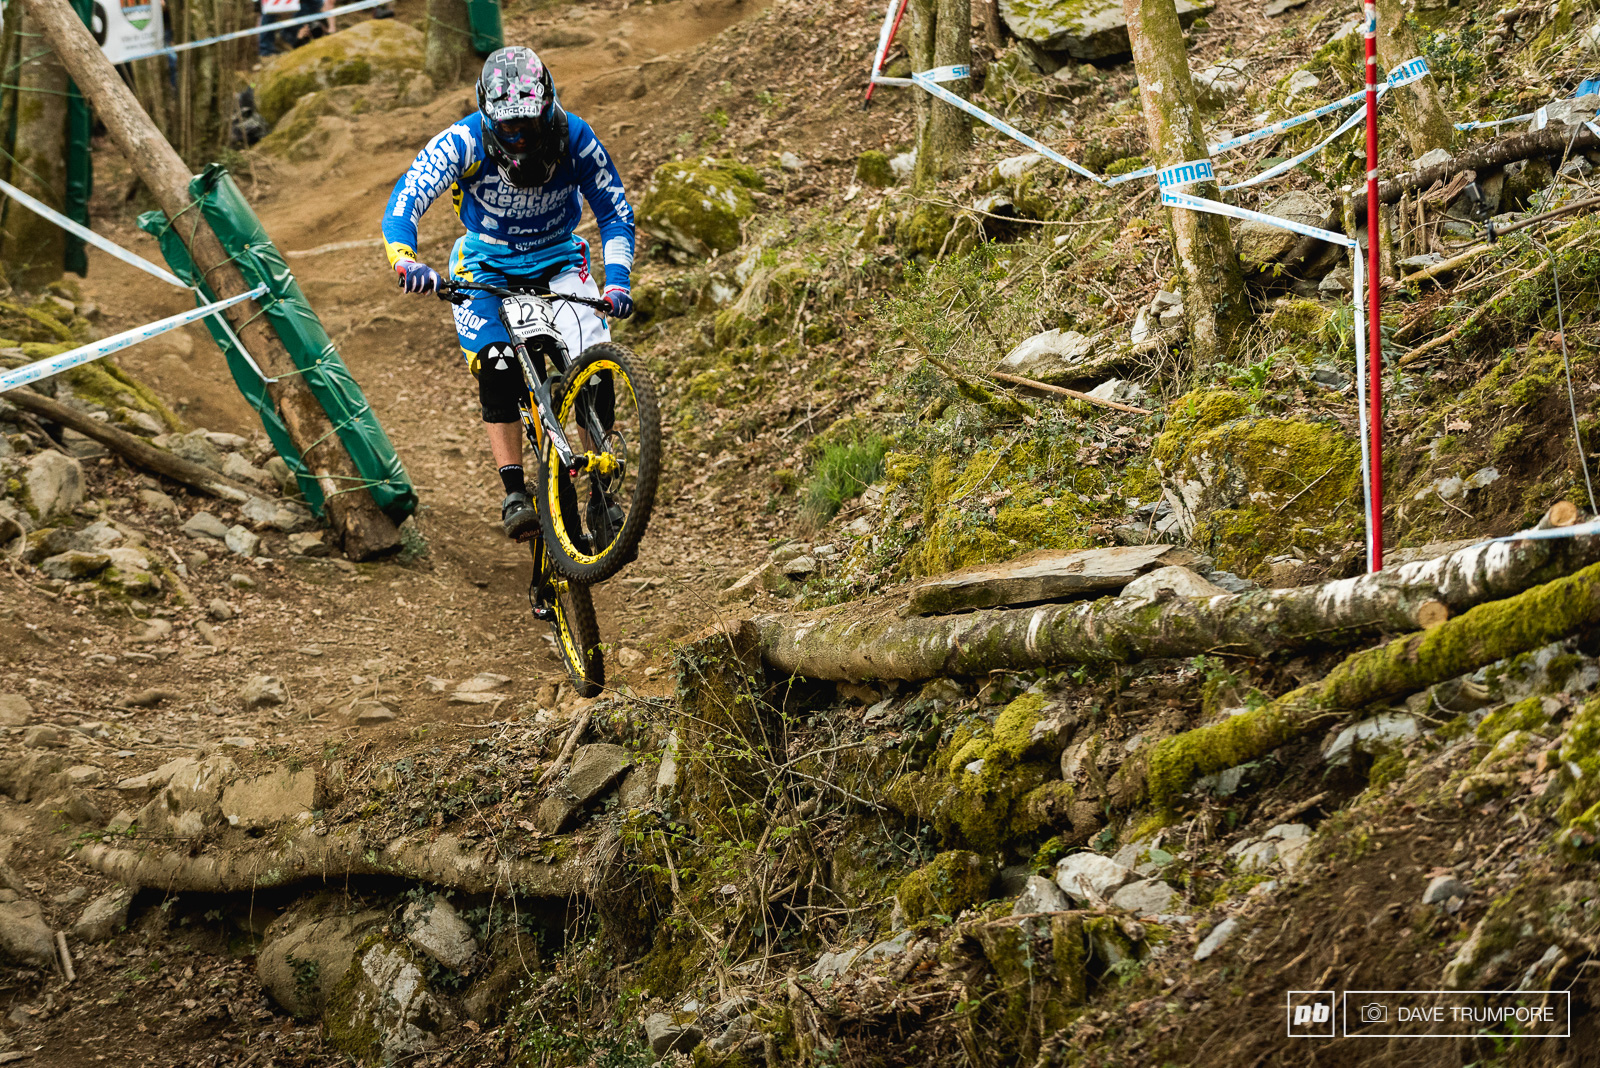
<point x="543" y="412"/>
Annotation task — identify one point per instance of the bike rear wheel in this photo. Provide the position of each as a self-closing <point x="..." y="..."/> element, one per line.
<point x="573" y="622"/>
<point x="594" y="517"/>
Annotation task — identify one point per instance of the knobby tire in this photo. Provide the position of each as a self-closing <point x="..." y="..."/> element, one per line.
<point x="578" y="638"/>
<point x="566" y="556"/>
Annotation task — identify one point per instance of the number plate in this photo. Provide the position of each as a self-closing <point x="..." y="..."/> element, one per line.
<point x="528" y="315"/>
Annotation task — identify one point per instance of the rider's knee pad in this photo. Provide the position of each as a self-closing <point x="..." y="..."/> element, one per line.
<point x="500" y="385"/>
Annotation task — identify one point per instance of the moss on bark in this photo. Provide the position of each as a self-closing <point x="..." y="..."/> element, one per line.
<point x="1406" y="665"/>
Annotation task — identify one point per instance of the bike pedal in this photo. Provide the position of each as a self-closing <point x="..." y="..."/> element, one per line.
<point x="544" y="613"/>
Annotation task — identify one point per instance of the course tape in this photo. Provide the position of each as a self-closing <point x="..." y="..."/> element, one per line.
<point x="1172" y="180"/>
<point x="54" y="365"/>
<point x="1406" y="73"/>
<point x="84" y="233"/>
<point x="1551" y="533"/>
<point x="115" y="250"/>
<point x="931" y="86"/>
<point x="255" y="31"/>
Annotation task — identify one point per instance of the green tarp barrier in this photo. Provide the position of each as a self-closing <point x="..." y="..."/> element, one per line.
<point x="487" y="33"/>
<point x="80" y="165"/>
<point x="291" y="316"/>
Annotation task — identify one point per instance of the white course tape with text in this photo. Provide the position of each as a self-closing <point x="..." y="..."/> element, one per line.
<point x="54" y="365"/>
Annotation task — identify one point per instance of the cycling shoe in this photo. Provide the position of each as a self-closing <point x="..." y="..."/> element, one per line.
<point x="519" y="517"/>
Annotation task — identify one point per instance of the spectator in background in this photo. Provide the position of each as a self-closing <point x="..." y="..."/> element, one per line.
<point x="310" y="31"/>
<point x="276" y="41"/>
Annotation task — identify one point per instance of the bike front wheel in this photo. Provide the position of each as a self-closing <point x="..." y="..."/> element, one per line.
<point x="594" y="513"/>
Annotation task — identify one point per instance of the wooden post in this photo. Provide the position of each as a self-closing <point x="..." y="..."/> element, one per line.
<point x="356" y="519"/>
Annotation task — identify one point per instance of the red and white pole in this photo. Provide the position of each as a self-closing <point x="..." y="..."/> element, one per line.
<point x="884" y="44"/>
<point x="1374" y="336"/>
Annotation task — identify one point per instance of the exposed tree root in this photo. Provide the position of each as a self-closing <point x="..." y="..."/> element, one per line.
<point x="445" y="861"/>
<point x="856" y="644"/>
<point x="1487" y="633"/>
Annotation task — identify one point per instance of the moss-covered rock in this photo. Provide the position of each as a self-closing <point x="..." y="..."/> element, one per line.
<point x="923" y="231"/>
<point x="379" y="49"/>
<point x="872" y="168"/>
<point x="1245" y="488"/>
<point x="383" y="1009"/>
<point x="1300" y="318"/>
<point x="1525" y="715"/>
<point x="954" y="881"/>
<point x="695" y="208"/>
<point x="959" y="529"/>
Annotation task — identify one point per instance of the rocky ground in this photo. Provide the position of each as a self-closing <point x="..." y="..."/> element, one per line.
<point x="287" y="809"/>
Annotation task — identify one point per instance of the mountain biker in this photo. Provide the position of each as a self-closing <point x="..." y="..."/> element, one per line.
<point x="515" y="169"/>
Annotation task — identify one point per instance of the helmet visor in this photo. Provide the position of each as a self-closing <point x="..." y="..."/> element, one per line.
<point x="520" y="132"/>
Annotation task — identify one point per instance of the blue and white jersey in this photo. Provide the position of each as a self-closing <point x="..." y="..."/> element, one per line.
<point x="534" y="226"/>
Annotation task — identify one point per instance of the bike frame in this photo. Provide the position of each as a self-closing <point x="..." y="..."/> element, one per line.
<point x="542" y="413"/>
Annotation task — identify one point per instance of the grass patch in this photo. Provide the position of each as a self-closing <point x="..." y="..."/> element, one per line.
<point x="842" y="471"/>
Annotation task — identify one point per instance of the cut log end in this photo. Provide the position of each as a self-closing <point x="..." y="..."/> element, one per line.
<point x="1562" y="514"/>
<point x="1431" y="614"/>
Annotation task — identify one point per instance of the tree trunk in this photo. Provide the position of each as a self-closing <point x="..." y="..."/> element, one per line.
<point x="1421" y="109"/>
<point x="1406" y="665"/>
<point x="849" y="644"/>
<point x="34" y="246"/>
<point x="1208" y="270"/>
<point x="363" y="529"/>
<point x="448" y="57"/>
<point x="992" y="31"/>
<point x="941" y="36"/>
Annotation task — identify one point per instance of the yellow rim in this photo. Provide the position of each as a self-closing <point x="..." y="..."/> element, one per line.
<point x="574" y="655"/>
<point x="604" y="462"/>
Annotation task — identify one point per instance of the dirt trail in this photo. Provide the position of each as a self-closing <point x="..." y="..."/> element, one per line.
<point x="334" y="632"/>
<point x="462" y="609"/>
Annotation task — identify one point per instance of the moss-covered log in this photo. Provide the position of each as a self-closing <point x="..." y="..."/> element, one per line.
<point x="334" y="857"/>
<point x="1208" y="269"/>
<point x="1481" y="636"/>
<point x="135" y="450"/>
<point x="857" y="643"/>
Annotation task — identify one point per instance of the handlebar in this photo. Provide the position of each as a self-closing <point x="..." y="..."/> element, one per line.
<point x="455" y="292"/>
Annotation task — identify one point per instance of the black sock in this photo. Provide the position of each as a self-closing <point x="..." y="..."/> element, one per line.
<point x="511" y="478"/>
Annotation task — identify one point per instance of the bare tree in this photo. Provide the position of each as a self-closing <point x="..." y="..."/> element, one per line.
<point x="1428" y="125"/>
<point x="34" y="246"/>
<point x="1208" y="268"/>
<point x="941" y="36"/>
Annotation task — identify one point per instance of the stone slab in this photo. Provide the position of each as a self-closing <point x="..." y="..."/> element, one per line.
<point x="1043" y="576"/>
<point x="264" y="800"/>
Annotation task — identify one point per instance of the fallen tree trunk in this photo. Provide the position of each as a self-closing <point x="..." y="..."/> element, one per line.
<point x="1407" y="665"/>
<point x="134" y="449"/>
<point x="1550" y="141"/>
<point x="857" y="643"/>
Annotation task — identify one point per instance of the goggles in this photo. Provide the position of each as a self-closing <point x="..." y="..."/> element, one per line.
<point x="517" y="131"/>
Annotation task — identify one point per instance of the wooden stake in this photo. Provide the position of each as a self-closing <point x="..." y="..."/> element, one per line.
<point x="67" y="970"/>
<point x="362" y="527"/>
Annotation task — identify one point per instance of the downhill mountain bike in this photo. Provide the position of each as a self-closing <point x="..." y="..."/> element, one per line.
<point x="596" y="427"/>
